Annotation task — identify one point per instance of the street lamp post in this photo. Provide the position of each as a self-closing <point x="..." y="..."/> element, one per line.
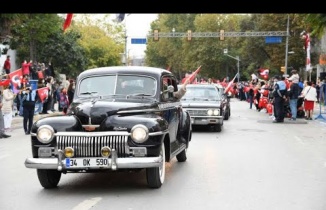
<point x="238" y="64"/>
<point x="287" y="46"/>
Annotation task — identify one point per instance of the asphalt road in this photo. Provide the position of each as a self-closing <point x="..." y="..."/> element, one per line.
<point x="253" y="164"/>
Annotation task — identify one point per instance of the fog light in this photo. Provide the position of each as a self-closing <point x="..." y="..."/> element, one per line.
<point x="69" y="152"/>
<point x="106" y="151"/>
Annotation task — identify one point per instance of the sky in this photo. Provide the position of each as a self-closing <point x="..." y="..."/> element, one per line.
<point x="138" y="26"/>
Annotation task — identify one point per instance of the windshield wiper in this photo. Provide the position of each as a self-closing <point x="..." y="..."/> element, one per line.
<point x="88" y="93"/>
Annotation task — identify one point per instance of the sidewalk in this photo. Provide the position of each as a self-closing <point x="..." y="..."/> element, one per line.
<point x="17" y="121"/>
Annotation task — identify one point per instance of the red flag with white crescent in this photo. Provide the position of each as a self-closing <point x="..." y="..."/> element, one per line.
<point x="43" y="93"/>
<point x="15" y="79"/>
<point x="5" y="82"/>
<point x="67" y="22"/>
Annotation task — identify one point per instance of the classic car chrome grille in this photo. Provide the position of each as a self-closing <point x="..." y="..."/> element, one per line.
<point x="90" y="146"/>
<point x="197" y="112"/>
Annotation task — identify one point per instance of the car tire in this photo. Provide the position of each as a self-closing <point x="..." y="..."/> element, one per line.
<point x="48" y="178"/>
<point x="182" y="156"/>
<point x="227" y="115"/>
<point x="218" y="127"/>
<point x="155" y="176"/>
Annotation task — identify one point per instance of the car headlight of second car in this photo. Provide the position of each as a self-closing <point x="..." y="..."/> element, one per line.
<point x="211" y="112"/>
<point x="139" y="133"/>
<point x="45" y="134"/>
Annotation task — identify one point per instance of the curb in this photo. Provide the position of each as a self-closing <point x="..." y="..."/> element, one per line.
<point x="17" y="121"/>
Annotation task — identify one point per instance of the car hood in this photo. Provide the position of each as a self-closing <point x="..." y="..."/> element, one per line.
<point x="99" y="110"/>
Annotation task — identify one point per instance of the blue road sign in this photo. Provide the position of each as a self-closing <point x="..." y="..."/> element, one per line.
<point x="138" y="41"/>
<point x="273" y="39"/>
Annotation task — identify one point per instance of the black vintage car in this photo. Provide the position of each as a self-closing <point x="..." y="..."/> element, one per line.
<point x="205" y="106"/>
<point x="121" y="118"/>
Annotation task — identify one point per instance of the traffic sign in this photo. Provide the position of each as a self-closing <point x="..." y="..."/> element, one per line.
<point x="138" y="41"/>
<point x="273" y="40"/>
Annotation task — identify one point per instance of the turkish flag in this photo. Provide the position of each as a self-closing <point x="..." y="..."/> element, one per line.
<point x="5" y="82"/>
<point x="192" y="76"/>
<point x="43" y="93"/>
<point x="15" y="79"/>
<point x="67" y="22"/>
<point x="228" y="88"/>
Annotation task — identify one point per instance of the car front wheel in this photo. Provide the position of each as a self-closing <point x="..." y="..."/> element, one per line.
<point x="155" y="176"/>
<point x="48" y="178"/>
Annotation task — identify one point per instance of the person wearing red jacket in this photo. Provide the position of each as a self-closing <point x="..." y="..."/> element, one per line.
<point x="7" y="65"/>
<point x="25" y="67"/>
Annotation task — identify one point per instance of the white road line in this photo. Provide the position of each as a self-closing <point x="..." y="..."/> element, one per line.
<point x="4" y="156"/>
<point x="87" y="204"/>
<point x="298" y="139"/>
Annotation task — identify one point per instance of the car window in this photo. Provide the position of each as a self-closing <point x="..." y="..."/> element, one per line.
<point x="201" y="92"/>
<point x="101" y="85"/>
<point x="134" y="84"/>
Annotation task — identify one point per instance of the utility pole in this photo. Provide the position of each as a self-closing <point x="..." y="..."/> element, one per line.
<point x="238" y="64"/>
<point x="287" y="46"/>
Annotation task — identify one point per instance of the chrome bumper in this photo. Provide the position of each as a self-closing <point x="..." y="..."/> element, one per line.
<point x="114" y="163"/>
<point x="206" y="121"/>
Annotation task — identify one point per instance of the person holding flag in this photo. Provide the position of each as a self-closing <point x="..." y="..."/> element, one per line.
<point x="182" y="91"/>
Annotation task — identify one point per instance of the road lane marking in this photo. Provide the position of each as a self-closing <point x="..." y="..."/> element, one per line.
<point x="298" y="139"/>
<point x="4" y="156"/>
<point x="87" y="204"/>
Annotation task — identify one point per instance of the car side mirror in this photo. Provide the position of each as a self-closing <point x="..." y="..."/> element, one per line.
<point x="170" y="89"/>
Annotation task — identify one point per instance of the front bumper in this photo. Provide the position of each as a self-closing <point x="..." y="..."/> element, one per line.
<point x="114" y="163"/>
<point x="197" y="120"/>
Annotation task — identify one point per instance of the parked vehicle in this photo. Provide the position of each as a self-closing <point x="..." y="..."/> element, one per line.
<point x="205" y="106"/>
<point x="121" y="118"/>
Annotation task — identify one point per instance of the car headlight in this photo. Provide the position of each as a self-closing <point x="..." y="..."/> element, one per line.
<point x="45" y="134"/>
<point x="139" y="133"/>
<point x="216" y="112"/>
<point x="210" y="112"/>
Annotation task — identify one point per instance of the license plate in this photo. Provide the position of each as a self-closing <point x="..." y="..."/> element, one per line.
<point x="86" y="162"/>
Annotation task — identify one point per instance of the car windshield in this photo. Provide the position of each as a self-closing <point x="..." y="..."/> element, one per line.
<point x="117" y="85"/>
<point x="201" y="93"/>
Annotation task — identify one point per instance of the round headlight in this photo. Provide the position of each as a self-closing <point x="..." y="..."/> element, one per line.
<point x="45" y="134"/>
<point x="216" y="112"/>
<point x="139" y="133"/>
<point x="210" y="112"/>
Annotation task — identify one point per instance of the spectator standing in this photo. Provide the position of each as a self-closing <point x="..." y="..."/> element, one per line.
<point x="29" y="98"/>
<point x="25" y="68"/>
<point x="7" y="107"/>
<point x="49" y="71"/>
<point x="251" y="95"/>
<point x="2" y="124"/>
<point x="64" y="101"/>
<point x="279" y="94"/>
<point x="48" y="101"/>
<point x="7" y="65"/>
<point x="293" y="94"/>
<point x="71" y="90"/>
<point x="318" y="90"/>
<point x="309" y="94"/>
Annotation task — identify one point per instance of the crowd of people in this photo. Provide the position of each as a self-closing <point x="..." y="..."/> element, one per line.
<point x="283" y="97"/>
<point x="26" y="99"/>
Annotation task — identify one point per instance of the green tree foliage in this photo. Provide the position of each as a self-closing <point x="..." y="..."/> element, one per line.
<point x="185" y="56"/>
